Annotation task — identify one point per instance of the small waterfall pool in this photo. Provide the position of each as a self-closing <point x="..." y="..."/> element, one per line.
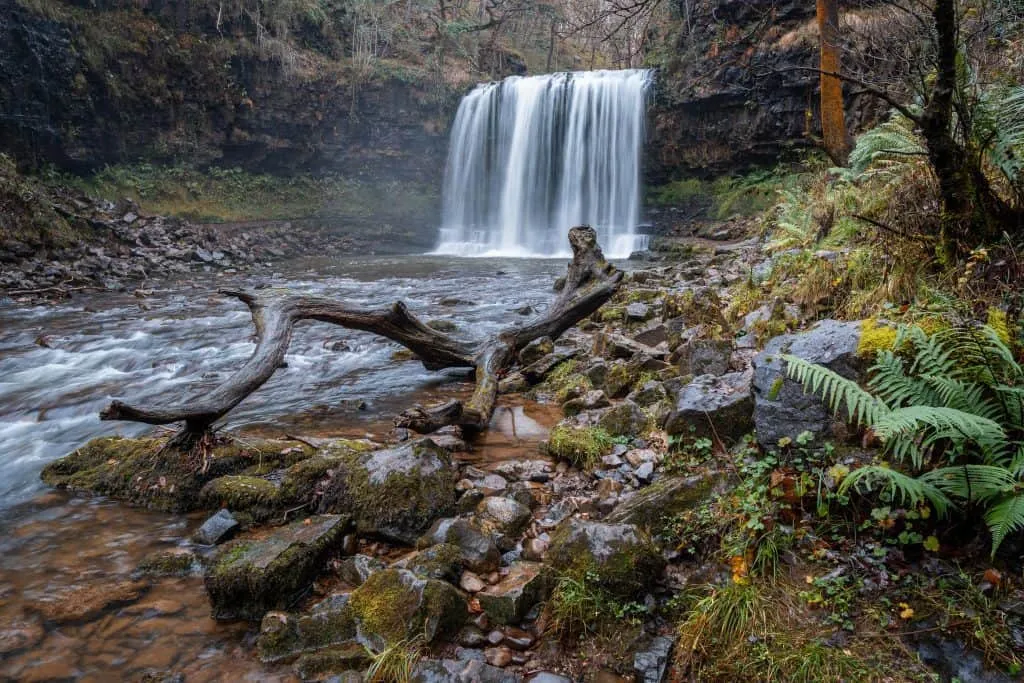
<point x="533" y="156"/>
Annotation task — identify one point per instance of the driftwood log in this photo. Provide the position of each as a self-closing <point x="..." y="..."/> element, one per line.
<point x="589" y="283"/>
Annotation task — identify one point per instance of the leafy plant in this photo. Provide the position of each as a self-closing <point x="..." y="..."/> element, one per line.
<point x="949" y="407"/>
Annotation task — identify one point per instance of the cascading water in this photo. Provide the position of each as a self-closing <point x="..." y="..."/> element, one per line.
<point x="531" y="157"/>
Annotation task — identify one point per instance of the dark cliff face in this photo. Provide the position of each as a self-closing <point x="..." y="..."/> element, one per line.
<point x="84" y="87"/>
<point x="729" y="96"/>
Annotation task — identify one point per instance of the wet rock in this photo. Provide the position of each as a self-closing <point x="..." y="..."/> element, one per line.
<point x="443" y="562"/>
<point x="704" y="357"/>
<point x="173" y="562"/>
<point x="644" y="472"/>
<point x="714" y="406"/>
<point x="239" y="493"/>
<point x="547" y="677"/>
<point x="504" y="519"/>
<point x="357" y="569"/>
<point x="651" y="664"/>
<point x="20" y="636"/>
<point x="621" y="555"/>
<point x="395" y="605"/>
<point x="284" y="636"/>
<point x="625" y="419"/>
<point x="454" y="671"/>
<point x="953" y="661"/>
<point x="652" y="335"/>
<point x="441" y="325"/>
<point x="536" y="350"/>
<point x="248" y="577"/>
<point x="650" y="393"/>
<point x="394" y="493"/>
<point x="529" y="493"/>
<point x="637" y="312"/>
<point x="558" y="512"/>
<point x="661" y="500"/>
<point x="471" y="636"/>
<point x="781" y="407"/>
<point x="596" y="372"/>
<point x="527" y="584"/>
<point x="345" y="660"/>
<point x="591" y="400"/>
<point x="534" y="549"/>
<point x="526" y="470"/>
<point x="217" y="529"/>
<point x="498" y="656"/>
<point x="619" y="378"/>
<point x="84" y="603"/>
<point x="478" y="550"/>
<point x="518" y="639"/>
<point x="492" y="484"/>
<point x="538" y="370"/>
<point x="612" y="345"/>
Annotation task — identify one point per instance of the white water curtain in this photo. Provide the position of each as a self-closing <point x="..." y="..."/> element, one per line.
<point x="531" y="157"/>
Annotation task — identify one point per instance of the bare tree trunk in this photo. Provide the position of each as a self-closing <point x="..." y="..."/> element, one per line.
<point x="590" y="282"/>
<point x="833" y="120"/>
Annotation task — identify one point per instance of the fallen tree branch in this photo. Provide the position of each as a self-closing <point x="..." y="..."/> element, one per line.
<point x="590" y="281"/>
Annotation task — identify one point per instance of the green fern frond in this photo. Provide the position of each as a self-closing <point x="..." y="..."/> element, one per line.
<point x="950" y="422"/>
<point x="836" y="390"/>
<point x="901" y="488"/>
<point x="973" y="483"/>
<point x="893" y="143"/>
<point x="891" y="383"/>
<point x="1004" y="518"/>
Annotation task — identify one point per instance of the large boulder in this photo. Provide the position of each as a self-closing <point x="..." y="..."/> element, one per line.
<point x="395" y="493"/>
<point x="251" y="576"/>
<point x="781" y="406"/>
<point x="657" y="503"/>
<point x="395" y="605"/>
<point x="621" y="556"/>
<point x="710" y="406"/>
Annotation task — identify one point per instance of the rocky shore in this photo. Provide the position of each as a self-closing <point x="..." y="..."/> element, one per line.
<point x="361" y="559"/>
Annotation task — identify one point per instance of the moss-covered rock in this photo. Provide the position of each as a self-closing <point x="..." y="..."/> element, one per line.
<point x="625" y="419"/>
<point x="504" y="519"/>
<point x="442" y="562"/>
<point x="241" y="493"/>
<point x="139" y="471"/>
<point x="477" y="549"/>
<point x="175" y="562"/>
<point x="317" y="666"/>
<point x="394" y="493"/>
<point x="395" y="605"/>
<point x="284" y="636"/>
<point x="622" y="557"/>
<point x="653" y="506"/>
<point x="619" y="377"/>
<point x="250" y="576"/>
<point x="536" y="350"/>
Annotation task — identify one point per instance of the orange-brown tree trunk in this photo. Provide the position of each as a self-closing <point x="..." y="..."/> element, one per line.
<point x="833" y="120"/>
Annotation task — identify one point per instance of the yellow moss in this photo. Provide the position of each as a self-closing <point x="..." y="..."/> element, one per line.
<point x="875" y="337"/>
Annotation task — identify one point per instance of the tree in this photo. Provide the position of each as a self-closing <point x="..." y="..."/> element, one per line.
<point x="833" y="120"/>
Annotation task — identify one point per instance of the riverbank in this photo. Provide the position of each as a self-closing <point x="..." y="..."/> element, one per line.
<point x="516" y="557"/>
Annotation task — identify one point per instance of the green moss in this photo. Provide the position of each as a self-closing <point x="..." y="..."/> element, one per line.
<point x="238" y="492"/>
<point x="997" y="320"/>
<point x="403" y="504"/>
<point x="333" y="660"/>
<point x="139" y="471"/>
<point x="582" y="446"/>
<point x="443" y="562"/>
<point x="623" y="572"/>
<point x="385" y="605"/>
<point x="283" y="636"/>
<point x="773" y="392"/>
<point x="167" y="563"/>
<point x="611" y="314"/>
<point x="619" y="378"/>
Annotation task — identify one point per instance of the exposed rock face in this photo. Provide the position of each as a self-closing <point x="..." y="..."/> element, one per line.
<point x="140" y="85"/>
<point x="729" y="98"/>
<point x="661" y="500"/>
<point x="781" y="407"/>
<point x="248" y="577"/>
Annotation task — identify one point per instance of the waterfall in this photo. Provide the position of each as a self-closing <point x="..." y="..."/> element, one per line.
<point x="530" y="157"/>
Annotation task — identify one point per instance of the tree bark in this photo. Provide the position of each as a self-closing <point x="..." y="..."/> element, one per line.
<point x="833" y="119"/>
<point x="590" y="281"/>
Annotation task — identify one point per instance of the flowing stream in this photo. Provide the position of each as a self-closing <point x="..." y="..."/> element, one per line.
<point x="59" y="365"/>
<point x="531" y="157"/>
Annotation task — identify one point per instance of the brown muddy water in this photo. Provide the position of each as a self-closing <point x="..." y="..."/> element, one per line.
<point x="70" y="608"/>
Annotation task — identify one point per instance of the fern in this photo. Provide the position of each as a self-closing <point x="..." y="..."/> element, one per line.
<point x="947" y="408"/>
<point x="893" y="142"/>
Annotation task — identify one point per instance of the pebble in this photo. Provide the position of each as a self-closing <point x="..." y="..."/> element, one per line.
<point x="645" y="471"/>
<point x="471" y="583"/>
<point x="495" y="637"/>
<point x="640" y="456"/>
<point x="518" y="639"/>
<point x="534" y="549"/>
<point x="498" y="656"/>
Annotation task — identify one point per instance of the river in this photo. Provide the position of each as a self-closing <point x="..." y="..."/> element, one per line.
<point x="59" y="365"/>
